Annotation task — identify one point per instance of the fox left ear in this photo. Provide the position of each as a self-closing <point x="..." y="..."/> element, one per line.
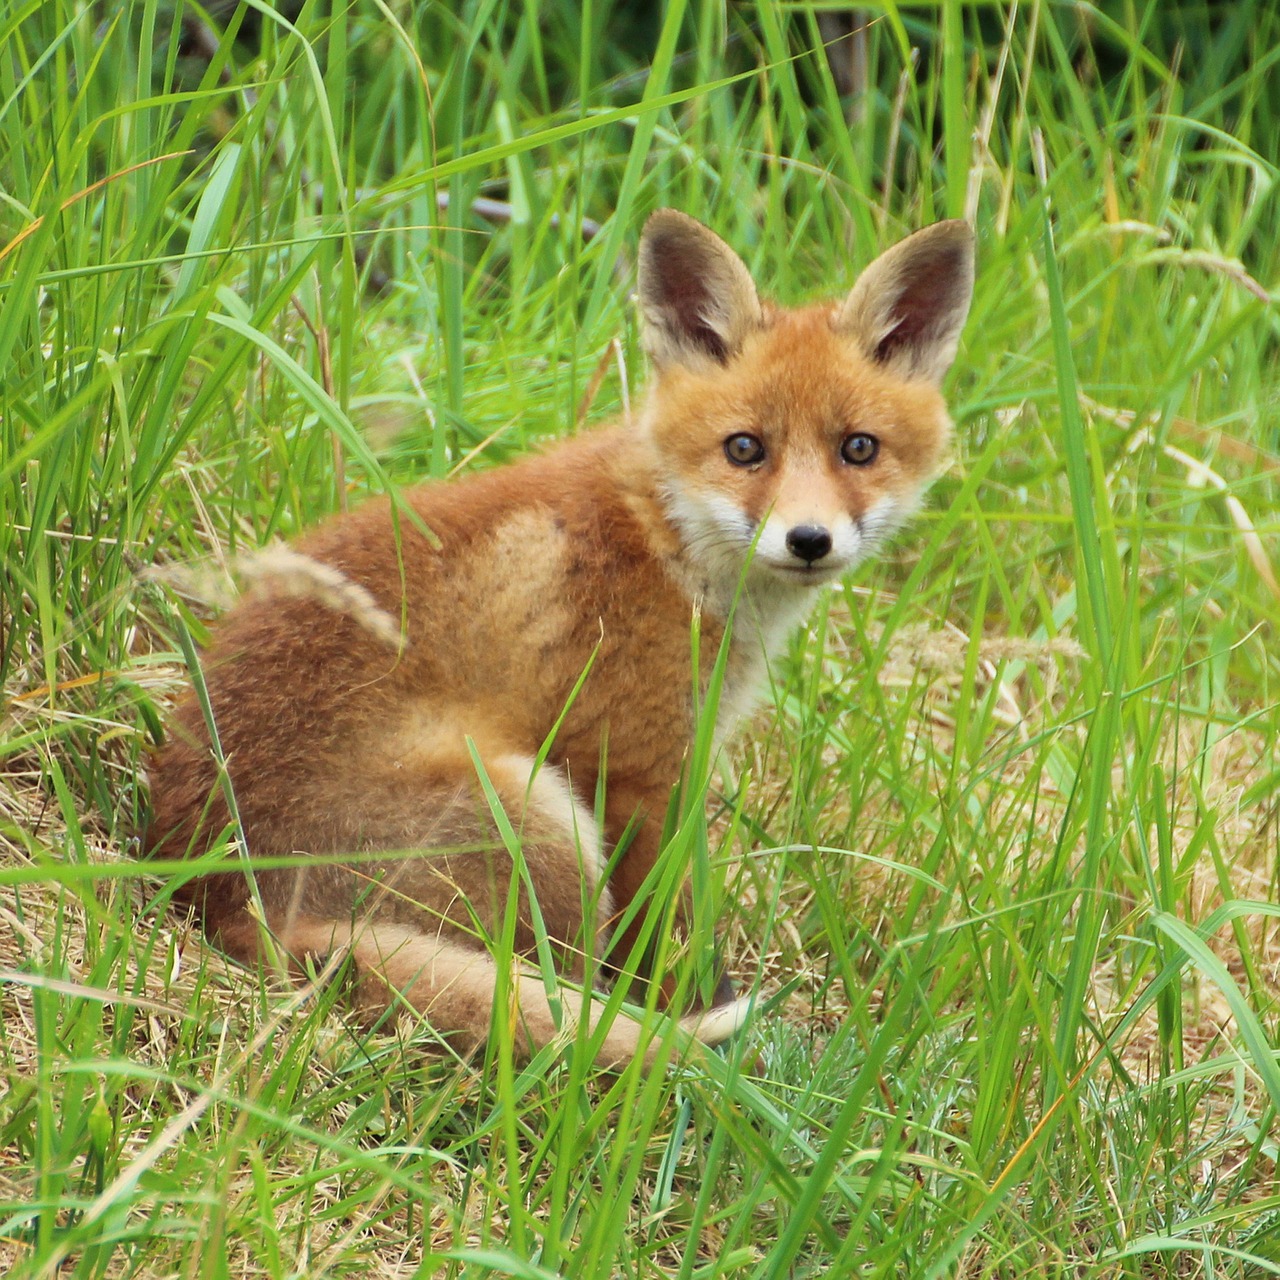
<point x="697" y="299"/>
<point x="908" y="307"/>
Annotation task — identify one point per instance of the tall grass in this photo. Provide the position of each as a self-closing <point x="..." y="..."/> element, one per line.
<point x="1002" y="858"/>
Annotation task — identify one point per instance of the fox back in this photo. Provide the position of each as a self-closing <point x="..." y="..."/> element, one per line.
<point x="384" y="696"/>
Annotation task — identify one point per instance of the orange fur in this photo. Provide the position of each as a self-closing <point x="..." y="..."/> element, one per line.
<point x="341" y="740"/>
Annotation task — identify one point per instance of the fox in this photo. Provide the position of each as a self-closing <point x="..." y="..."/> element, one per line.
<point x="516" y="643"/>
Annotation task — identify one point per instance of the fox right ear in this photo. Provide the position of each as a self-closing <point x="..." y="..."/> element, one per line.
<point x="908" y="307"/>
<point x="697" y="299"/>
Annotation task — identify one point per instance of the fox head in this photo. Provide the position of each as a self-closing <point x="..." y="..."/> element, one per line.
<point x="807" y="434"/>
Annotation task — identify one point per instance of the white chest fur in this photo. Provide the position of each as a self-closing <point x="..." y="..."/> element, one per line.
<point x="767" y="614"/>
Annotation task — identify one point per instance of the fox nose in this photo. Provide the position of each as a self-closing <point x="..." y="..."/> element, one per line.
<point x="808" y="541"/>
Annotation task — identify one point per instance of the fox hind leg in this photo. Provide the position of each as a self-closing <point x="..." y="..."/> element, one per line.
<point x="418" y="927"/>
<point x="419" y="923"/>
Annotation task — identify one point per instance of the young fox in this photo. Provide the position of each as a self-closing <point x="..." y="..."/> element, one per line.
<point x="777" y="449"/>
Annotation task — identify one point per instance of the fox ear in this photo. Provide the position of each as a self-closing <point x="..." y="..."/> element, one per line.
<point x="909" y="305"/>
<point x="696" y="297"/>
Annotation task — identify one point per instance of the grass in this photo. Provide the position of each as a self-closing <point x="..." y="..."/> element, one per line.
<point x="1003" y="854"/>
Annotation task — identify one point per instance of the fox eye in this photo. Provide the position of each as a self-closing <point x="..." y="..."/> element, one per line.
<point x="860" y="449"/>
<point x="744" y="450"/>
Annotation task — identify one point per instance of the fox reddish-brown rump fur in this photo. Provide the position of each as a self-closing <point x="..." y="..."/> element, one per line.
<point x="749" y="463"/>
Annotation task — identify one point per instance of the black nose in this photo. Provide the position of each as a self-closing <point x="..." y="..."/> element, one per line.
<point x="808" y="541"/>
